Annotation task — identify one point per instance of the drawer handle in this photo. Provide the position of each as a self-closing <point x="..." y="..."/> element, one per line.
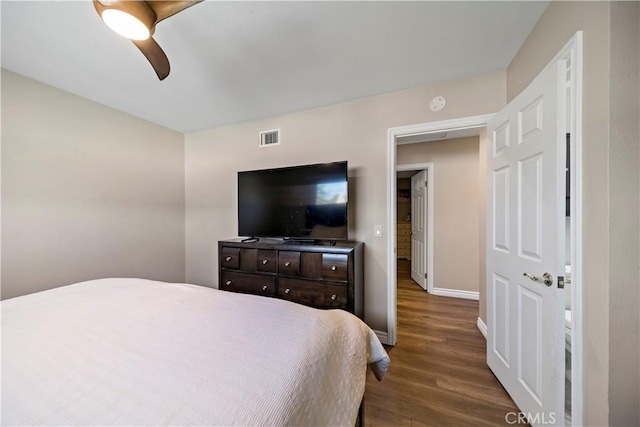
<point x="264" y="287"/>
<point x="286" y="291"/>
<point x="333" y="297"/>
<point x="228" y="258"/>
<point x="228" y="282"/>
<point x="334" y="268"/>
<point x="265" y="261"/>
<point x="287" y="264"/>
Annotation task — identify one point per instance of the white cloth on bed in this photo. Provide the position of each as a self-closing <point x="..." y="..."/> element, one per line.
<point x="140" y="352"/>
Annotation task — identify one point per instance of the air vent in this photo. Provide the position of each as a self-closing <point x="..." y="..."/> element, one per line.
<point x="434" y="136"/>
<point x="270" y="138"/>
<point x="421" y="137"/>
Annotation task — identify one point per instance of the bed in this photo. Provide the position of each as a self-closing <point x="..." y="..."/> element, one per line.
<point x="141" y="352"/>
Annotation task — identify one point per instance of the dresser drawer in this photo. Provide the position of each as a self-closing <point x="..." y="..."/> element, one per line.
<point x="289" y="263"/>
<point x="404" y="231"/>
<point x="403" y="245"/>
<point x="317" y="275"/>
<point x="311" y="293"/>
<point x="334" y="266"/>
<point x="230" y="258"/>
<point x="253" y="260"/>
<point x="248" y="283"/>
<point x="266" y="261"/>
<point x="404" y="226"/>
<point x="404" y="253"/>
<point x="403" y="239"/>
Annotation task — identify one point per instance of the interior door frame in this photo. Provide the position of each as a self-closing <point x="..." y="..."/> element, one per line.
<point x="428" y="167"/>
<point x="392" y="135"/>
<point x="572" y="53"/>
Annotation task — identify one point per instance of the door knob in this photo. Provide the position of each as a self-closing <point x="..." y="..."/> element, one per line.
<point x="546" y="278"/>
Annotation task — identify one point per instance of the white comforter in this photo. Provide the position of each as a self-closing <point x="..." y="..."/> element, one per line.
<point x="140" y="352"/>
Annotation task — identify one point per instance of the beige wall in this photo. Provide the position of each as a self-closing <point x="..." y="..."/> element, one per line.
<point x="354" y="131"/>
<point x="608" y="274"/>
<point x="455" y="208"/>
<point x="624" y="227"/>
<point x="87" y="191"/>
<point x="482" y="217"/>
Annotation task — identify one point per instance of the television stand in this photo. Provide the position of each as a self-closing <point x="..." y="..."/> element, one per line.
<point x="309" y="242"/>
<point x="250" y="240"/>
<point x="300" y="242"/>
<point x="319" y="275"/>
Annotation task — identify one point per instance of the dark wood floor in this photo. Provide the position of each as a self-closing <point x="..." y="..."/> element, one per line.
<point x="438" y="374"/>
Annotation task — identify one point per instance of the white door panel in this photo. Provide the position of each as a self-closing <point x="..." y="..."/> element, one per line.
<point x="500" y="218"/>
<point x="526" y="219"/>
<point x="530" y="207"/>
<point x="419" y="228"/>
<point x="500" y="313"/>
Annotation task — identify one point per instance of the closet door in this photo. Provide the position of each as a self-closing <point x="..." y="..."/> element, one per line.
<point x="419" y="229"/>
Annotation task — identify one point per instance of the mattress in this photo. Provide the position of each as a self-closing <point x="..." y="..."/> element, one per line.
<point x="140" y="352"/>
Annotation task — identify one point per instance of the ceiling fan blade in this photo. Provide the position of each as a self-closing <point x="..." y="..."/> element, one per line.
<point x="100" y="5"/>
<point x="155" y="55"/>
<point x="165" y="9"/>
<point x="105" y="3"/>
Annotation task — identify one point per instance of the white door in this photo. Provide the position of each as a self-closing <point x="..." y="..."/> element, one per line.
<point x="525" y="240"/>
<point x="419" y="228"/>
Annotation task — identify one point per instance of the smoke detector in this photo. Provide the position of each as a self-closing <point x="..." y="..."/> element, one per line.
<point x="437" y="103"/>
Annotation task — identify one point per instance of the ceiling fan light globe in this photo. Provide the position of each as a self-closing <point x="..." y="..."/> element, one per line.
<point x="125" y="24"/>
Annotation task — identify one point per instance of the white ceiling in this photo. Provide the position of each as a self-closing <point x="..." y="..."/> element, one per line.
<point x="239" y="61"/>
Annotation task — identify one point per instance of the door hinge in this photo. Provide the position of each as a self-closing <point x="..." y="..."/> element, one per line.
<point x="560" y="282"/>
<point x="425" y="275"/>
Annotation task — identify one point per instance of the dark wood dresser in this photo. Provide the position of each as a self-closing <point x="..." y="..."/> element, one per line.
<point x="317" y="275"/>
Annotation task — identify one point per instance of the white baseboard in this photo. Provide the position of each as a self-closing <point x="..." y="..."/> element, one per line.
<point x="483" y="328"/>
<point x="382" y="336"/>
<point x="453" y="293"/>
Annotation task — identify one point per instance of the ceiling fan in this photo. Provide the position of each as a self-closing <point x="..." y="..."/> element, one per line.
<point x="137" y="20"/>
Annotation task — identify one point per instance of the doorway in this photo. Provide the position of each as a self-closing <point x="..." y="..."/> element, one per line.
<point x="572" y="54"/>
<point x="414" y="226"/>
<point x="412" y="134"/>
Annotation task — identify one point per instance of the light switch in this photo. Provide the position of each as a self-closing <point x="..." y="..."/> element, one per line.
<point x="377" y="231"/>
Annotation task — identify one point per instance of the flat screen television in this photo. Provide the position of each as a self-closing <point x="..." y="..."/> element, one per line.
<point x="297" y="203"/>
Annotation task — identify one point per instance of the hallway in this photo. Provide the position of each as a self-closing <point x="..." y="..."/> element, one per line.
<point x="438" y="374"/>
